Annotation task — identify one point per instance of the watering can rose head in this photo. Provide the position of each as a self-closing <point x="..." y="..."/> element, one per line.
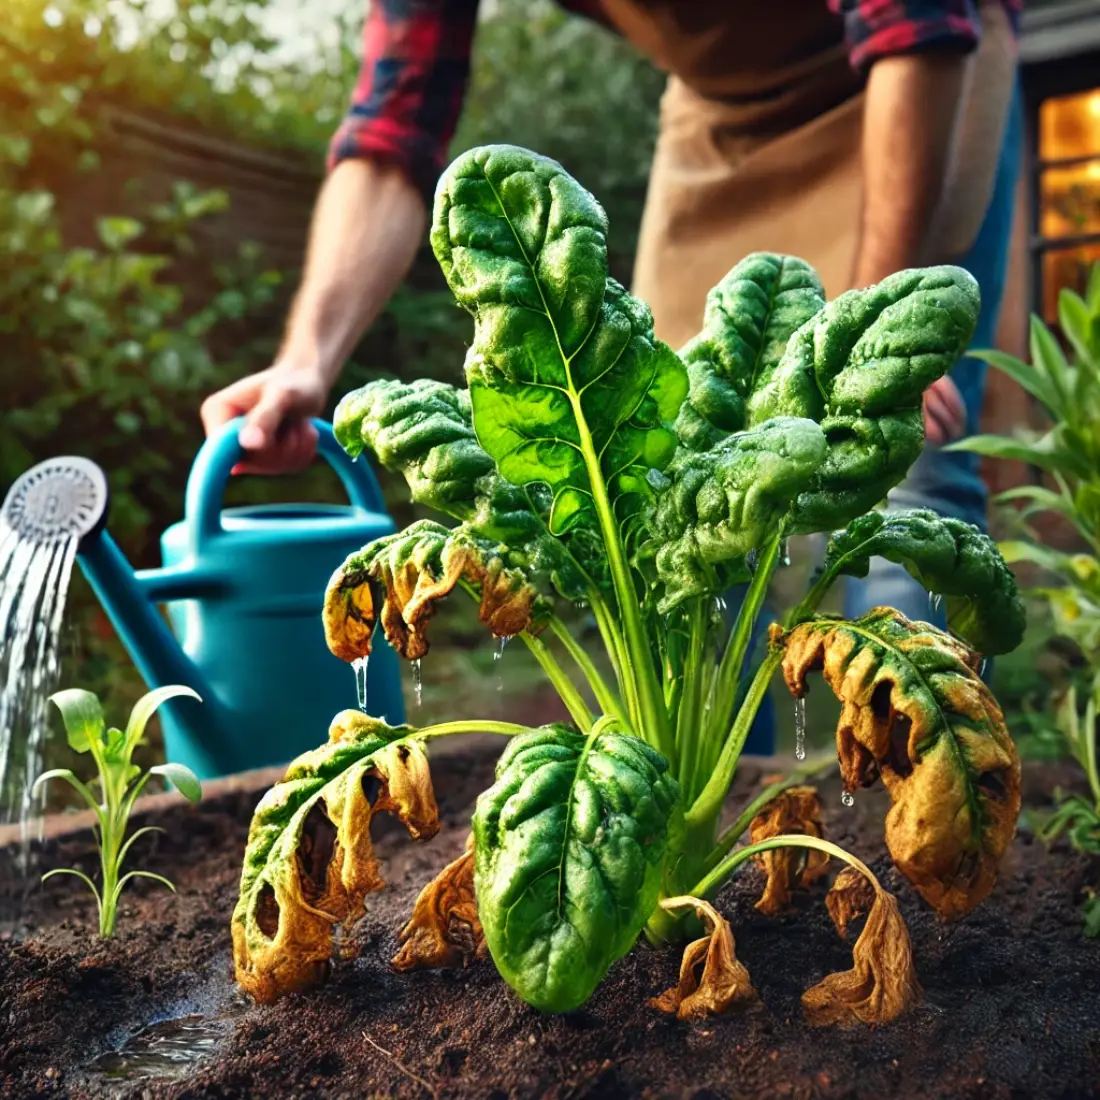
<point x="585" y="462"/>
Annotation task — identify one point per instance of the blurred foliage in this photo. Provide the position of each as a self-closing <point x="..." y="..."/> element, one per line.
<point x="106" y="345"/>
<point x="1068" y="388"/>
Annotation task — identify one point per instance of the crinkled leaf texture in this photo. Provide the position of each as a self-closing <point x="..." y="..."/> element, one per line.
<point x="948" y="557"/>
<point x="724" y="502"/>
<point x="916" y="712"/>
<point x="841" y="382"/>
<point x="570" y="843"/>
<point x="568" y="385"/>
<point x="424" y="430"/>
<point x="412" y="570"/>
<point x="309" y="862"/>
<point x="749" y="318"/>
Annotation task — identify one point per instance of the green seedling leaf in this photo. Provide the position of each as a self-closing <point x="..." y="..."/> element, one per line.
<point x="82" y="716"/>
<point x="949" y="558"/>
<point x="182" y="778"/>
<point x="146" y="706"/>
<point x="569" y="844"/>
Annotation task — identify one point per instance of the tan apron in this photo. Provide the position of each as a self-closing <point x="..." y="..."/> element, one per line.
<point x="759" y="146"/>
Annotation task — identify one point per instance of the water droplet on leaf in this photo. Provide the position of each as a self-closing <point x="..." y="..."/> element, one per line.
<point x="784" y="554"/>
<point x="848" y="798"/>
<point x="359" y="666"/>
<point x="418" y="683"/>
<point x="800" y="728"/>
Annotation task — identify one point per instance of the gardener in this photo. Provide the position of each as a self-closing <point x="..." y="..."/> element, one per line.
<point x="867" y="142"/>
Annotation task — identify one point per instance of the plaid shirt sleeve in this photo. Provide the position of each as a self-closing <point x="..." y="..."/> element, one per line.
<point x="884" y="28"/>
<point x="416" y="64"/>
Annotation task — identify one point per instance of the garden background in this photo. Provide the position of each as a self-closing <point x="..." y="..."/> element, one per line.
<point x="157" y="169"/>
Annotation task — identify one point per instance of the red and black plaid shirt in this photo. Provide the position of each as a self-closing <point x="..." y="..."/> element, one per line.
<point x="416" y="64"/>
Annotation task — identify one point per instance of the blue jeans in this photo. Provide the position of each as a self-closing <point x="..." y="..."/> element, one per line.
<point x="950" y="482"/>
<point x="946" y="482"/>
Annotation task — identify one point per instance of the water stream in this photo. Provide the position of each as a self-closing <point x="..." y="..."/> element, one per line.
<point x="34" y="584"/>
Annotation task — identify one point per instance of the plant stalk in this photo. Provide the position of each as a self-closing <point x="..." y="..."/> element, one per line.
<point x="563" y="685"/>
<point x="708" y="805"/>
<point x="605" y="697"/>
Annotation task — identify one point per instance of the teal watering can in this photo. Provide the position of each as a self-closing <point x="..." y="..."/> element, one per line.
<point x="244" y="589"/>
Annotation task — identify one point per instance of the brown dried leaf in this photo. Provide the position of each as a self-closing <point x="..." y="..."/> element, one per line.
<point x="712" y="980"/>
<point x="882" y="983"/>
<point x="410" y="572"/>
<point x="916" y="713"/>
<point x="310" y="863"/>
<point x="444" y="929"/>
<point x="850" y="898"/>
<point x="796" y="810"/>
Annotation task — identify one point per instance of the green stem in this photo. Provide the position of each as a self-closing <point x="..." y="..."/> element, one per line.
<point x="605" y="697"/>
<point x="689" y="718"/>
<point x="446" y="729"/>
<point x="710" y="882"/>
<point x="651" y="719"/>
<point x="616" y="650"/>
<point x="734" y="833"/>
<point x="566" y="689"/>
<point x="733" y="660"/>
<point x="709" y="804"/>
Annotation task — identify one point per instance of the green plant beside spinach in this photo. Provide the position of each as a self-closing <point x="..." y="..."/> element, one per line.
<point x="588" y="462"/>
<point x="1069" y="453"/>
<point x="120" y="784"/>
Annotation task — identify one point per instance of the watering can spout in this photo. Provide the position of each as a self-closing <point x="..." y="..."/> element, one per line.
<point x="130" y="601"/>
<point x="242" y="590"/>
<point x="66" y="499"/>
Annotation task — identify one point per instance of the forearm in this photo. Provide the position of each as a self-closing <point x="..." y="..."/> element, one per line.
<point x="367" y="226"/>
<point x="910" y="120"/>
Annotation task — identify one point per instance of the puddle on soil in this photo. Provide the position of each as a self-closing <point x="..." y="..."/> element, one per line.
<point x="164" y="1051"/>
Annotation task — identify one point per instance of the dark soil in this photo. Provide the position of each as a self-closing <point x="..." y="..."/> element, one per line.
<point x="1012" y="1009"/>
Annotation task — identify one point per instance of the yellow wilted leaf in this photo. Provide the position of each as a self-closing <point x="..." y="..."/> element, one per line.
<point x="409" y="572"/>
<point x="712" y="979"/>
<point x="882" y="983"/>
<point x="916" y="712"/>
<point x="797" y="810"/>
<point x="850" y="898"/>
<point x="309" y="862"/>
<point x="444" y="929"/>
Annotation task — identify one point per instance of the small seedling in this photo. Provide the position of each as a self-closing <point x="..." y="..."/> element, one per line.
<point x="120" y="782"/>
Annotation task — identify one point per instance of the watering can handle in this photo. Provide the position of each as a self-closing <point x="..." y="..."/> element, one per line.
<point x="220" y="453"/>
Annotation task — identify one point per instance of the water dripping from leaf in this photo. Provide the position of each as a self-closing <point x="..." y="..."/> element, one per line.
<point x="848" y="798"/>
<point x="359" y="665"/>
<point x="784" y="553"/>
<point x="935" y="602"/>
<point x="498" y="653"/>
<point x="750" y="559"/>
<point x="800" y="728"/>
<point x="418" y="682"/>
<point x="981" y="668"/>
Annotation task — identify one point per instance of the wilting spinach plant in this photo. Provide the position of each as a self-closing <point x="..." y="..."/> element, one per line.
<point x="120" y="784"/>
<point x="585" y="461"/>
<point x="1069" y="454"/>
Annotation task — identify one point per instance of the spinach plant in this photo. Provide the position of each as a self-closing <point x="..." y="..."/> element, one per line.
<point x="586" y="461"/>
<point x="120" y="783"/>
<point x="1069" y="454"/>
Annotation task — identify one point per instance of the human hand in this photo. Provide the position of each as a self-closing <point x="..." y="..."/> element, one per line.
<point x="277" y="404"/>
<point x="944" y="412"/>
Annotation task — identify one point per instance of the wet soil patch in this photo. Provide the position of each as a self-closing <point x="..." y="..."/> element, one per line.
<point x="1012" y="1009"/>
